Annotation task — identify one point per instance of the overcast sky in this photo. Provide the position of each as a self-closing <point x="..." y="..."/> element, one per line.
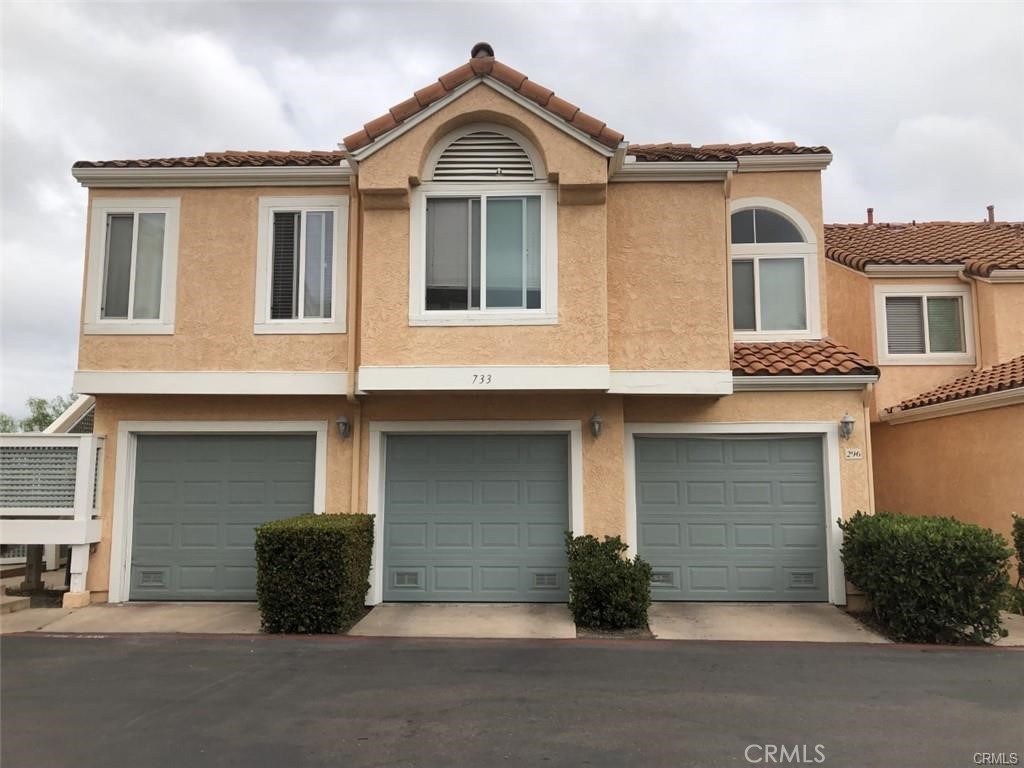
<point x="922" y="105"/>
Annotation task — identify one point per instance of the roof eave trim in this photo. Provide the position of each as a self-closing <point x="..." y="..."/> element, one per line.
<point x="913" y="270"/>
<point x="1004" y="276"/>
<point x="1014" y="396"/>
<point x="384" y="139"/>
<point x="793" y="382"/>
<point x="71" y="416"/>
<point x="762" y="163"/>
<point x="257" y="176"/>
<point x="703" y="170"/>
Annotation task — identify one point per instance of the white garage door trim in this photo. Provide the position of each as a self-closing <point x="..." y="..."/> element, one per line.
<point x="124" y="477"/>
<point x="375" y="484"/>
<point x="833" y="492"/>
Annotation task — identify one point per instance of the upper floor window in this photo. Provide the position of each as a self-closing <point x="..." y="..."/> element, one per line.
<point x="924" y="325"/>
<point x="301" y="265"/>
<point x="774" y="273"/>
<point x="483" y="233"/>
<point x="133" y="249"/>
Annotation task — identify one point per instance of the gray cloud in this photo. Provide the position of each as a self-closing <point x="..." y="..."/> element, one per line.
<point x="923" y="105"/>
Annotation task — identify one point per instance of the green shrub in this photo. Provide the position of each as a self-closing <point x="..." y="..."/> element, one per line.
<point x="929" y="579"/>
<point x="606" y="589"/>
<point x="1018" y="545"/>
<point x="312" y="572"/>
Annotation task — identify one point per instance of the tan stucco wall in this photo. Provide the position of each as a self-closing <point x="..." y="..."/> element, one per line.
<point x="216" y="294"/>
<point x="581" y="335"/>
<point x="801" y="190"/>
<point x="1001" y="317"/>
<point x="112" y="409"/>
<point x="855" y="480"/>
<point x="667" y="283"/>
<point x="392" y="166"/>
<point x="967" y="466"/>
<point x="604" y="501"/>
<point x="851" y="309"/>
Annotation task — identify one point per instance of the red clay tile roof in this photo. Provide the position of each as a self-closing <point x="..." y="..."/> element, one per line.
<point x="649" y="153"/>
<point x="227" y="159"/>
<point x="798" y="358"/>
<point x="995" y="378"/>
<point x="481" y="67"/>
<point x="980" y="246"/>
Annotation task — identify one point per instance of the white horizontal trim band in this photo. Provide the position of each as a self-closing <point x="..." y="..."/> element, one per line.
<point x="671" y="382"/>
<point x="762" y="163"/>
<point x="412" y="378"/>
<point x="798" y="383"/>
<point x="709" y="170"/>
<point x="317" y="175"/>
<point x="211" y="382"/>
<point x="49" y="531"/>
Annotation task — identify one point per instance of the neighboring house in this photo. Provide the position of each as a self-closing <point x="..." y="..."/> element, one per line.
<point x="487" y="320"/>
<point x="939" y="306"/>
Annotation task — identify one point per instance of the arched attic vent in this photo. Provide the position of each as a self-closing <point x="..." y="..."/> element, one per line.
<point x="485" y="154"/>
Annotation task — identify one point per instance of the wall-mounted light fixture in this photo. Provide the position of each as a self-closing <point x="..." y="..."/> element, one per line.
<point x="596" y="423"/>
<point x="344" y="427"/>
<point x="846" y="426"/>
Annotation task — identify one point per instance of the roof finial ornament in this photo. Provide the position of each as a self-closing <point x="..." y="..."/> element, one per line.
<point x="481" y="51"/>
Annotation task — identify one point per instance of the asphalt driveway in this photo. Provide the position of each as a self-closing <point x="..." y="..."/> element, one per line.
<point x="158" y="700"/>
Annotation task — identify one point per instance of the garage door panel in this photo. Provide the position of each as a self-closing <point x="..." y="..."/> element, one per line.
<point x="491" y="515"/>
<point x="198" y="500"/>
<point x="748" y="526"/>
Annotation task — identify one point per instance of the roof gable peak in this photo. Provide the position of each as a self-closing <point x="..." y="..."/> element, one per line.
<point x="483" y="67"/>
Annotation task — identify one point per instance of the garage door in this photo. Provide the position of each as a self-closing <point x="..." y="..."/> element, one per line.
<point x="476" y="517"/>
<point x="198" y="499"/>
<point x="732" y="518"/>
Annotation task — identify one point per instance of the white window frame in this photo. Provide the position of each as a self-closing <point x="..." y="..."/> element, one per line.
<point x="924" y="291"/>
<point x="268" y="206"/>
<point x="547" y="314"/>
<point x="102" y="207"/>
<point x="755" y="252"/>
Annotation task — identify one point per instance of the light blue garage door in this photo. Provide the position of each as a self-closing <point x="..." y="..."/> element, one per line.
<point x="476" y="517"/>
<point x="198" y="499"/>
<point x="732" y="518"/>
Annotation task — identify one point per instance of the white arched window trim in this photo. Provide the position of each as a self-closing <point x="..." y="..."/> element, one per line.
<point x="808" y="250"/>
<point x="547" y="313"/>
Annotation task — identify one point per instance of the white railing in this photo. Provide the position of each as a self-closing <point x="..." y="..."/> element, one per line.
<point x="50" y="493"/>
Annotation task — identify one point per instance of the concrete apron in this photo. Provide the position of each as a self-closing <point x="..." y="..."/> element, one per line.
<point x="475" y="620"/>
<point x="201" y="618"/>
<point x="765" y="622"/>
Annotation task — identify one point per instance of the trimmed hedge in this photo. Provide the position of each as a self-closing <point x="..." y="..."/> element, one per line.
<point x="313" y="572"/>
<point x="606" y="589"/>
<point x="1018" y="544"/>
<point x="929" y="579"/>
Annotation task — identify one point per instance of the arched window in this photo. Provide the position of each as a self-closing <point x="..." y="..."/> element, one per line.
<point x="484" y="232"/>
<point x="773" y="271"/>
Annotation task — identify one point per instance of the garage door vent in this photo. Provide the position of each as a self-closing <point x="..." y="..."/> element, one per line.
<point x="151" y="578"/>
<point x="662" y="577"/>
<point x="407" y="578"/>
<point x="545" y="580"/>
<point x="801" y="579"/>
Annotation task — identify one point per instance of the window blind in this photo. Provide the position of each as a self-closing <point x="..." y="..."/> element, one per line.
<point x="285" y="269"/>
<point x="904" y="323"/>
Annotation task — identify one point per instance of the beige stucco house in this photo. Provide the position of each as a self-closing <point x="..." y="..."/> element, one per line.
<point x="939" y="307"/>
<point x="486" y="320"/>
